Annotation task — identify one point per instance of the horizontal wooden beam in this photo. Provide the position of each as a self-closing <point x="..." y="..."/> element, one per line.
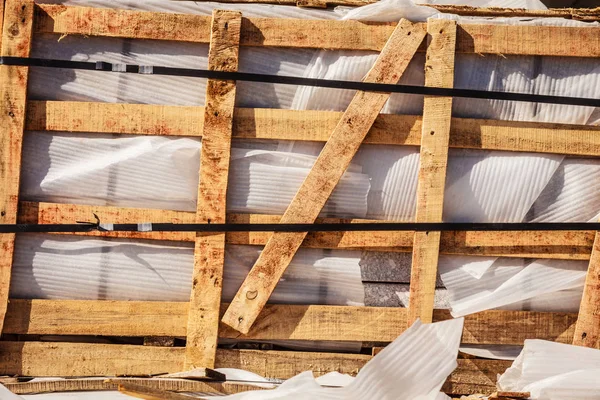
<point x="305" y="125"/>
<point x="568" y="245"/>
<point x="276" y="322"/>
<point x="305" y="33"/>
<point x="94" y="384"/>
<point x="77" y="359"/>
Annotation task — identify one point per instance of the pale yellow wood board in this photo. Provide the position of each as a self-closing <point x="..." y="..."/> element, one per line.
<point x="16" y="42"/>
<point x="209" y="249"/>
<point x="323" y="177"/>
<point x="276" y="322"/>
<point x="308" y="125"/>
<point x="91" y="384"/>
<point x="303" y="33"/>
<point x="437" y="114"/>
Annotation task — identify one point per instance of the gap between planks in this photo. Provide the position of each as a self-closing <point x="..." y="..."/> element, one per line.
<point x="333" y="35"/>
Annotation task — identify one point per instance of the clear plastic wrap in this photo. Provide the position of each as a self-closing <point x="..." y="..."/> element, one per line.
<point x="99" y="170"/>
<point x="507" y="281"/>
<point x="550" y="370"/>
<point x="68" y="267"/>
<point x="412" y="367"/>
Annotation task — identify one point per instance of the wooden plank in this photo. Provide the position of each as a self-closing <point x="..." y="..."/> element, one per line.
<point x="16" y="42"/>
<point x="510" y="395"/>
<point x="437" y="112"/>
<point x="587" y="330"/>
<point x="76" y="359"/>
<point x="91" y="384"/>
<point x="200" y="374"/>
<point x="209" y="250"/>
<point x="514" y="327"/>
<point x="568" y="245"/>
<point x="322" y="178"/>
<point x="148" y="393"/>
<point x="276" y="322"/>
<point x="475" y="376"/>
<point x="83" y="359"/>
<point x="301" y="33"/>
<point x="308" y="125"/>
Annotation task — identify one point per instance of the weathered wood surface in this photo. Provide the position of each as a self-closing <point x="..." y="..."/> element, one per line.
<point x="276" y="322"/>
<point x="76" y="359"/>
<point x="322" y="179"/>
<point x="299" y="33"/>
<point x="91" y="384"/>
<point x="587" y="330"/>
<point x="437" y="114"/>
<point x="308" y="125"/>
<point x="16" y="42"/>
<point x="209" y="250"/>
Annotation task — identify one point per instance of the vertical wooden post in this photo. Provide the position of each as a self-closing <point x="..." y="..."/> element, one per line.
<point x="209" y="253"/>
<point x="437" y="112"/>
<point x="587" y="329"/>
<point x="323" y="177"/>
<point x="16" y="42"/>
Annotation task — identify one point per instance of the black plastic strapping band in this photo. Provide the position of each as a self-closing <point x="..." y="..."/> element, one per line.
<point x="293" y="80"/>
<point x="319" y="227"/>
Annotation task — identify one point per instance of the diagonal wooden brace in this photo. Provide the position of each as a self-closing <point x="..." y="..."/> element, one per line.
<point x="323" y="177"/>
<point x="587" y="329"/>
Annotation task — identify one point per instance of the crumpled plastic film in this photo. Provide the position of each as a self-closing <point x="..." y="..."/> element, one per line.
<point x="507" y="281"/>
<point x="412" y="367"/>
<point x="67" y="267"/>
<point x="550" y="370"/>
<point x="162" y="172"/>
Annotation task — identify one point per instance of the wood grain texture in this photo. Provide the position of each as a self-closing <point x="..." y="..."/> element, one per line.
<point x="587" y="330"/>
<point x="308" y="125"/>
<point x="299" y="33"/>
<point x="209" y="249"/>
<point x="568" y="245"/>
<point x="76" y="359"/>
<point x="323" y="177"/>
<point x="90" y="384"/>
<point x="16" y="42"/>
<point x="437" y="114"/>
<point x="276" y="322"/>
<point x="149" y="393"/>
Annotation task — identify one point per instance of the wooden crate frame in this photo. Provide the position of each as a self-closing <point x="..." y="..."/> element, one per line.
<point x="23" y="19"/>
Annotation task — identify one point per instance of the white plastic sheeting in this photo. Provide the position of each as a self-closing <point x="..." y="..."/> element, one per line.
<point x="55" y="267"/>
<point x="552" y="371"/>
<point x="99" y="170"/>
<point x="507" y="281"/>
<point x="412" y="367"/>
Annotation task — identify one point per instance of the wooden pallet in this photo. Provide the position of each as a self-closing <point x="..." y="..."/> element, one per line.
<point x="220" y="121"/>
